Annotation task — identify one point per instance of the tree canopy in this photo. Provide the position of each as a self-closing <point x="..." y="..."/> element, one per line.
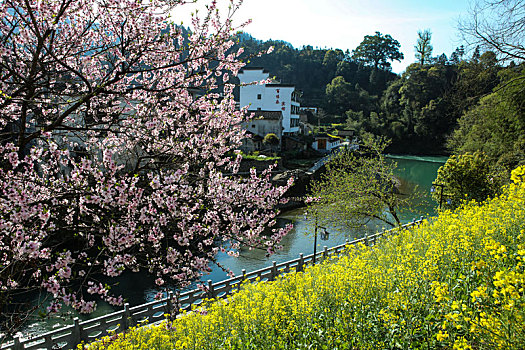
<point x="312" y="69"/>
<point x="378" y="50"/>
<point x="420" y="110"/>
<point x="271" y="140"/>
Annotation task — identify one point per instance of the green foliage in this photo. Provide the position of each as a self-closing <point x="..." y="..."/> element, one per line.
<point x="415" y="111"/>
<point x="358" y="186"/>
<point x="496" y="125"/>
<point x="339" y="92"/>
<point x="420" y="110"/>
<point x="332" y="58"/>
<point x="476" y="78"/>
<point x="271" y="140"/>
<point x="378" y="50"/>
<point x="464" y="178"/>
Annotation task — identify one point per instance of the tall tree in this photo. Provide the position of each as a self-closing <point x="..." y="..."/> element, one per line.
<point x="117" y="132"/>
<point x="378" y="50"/>
<point x="476" y="78"/>
<point x="423" y="46"/>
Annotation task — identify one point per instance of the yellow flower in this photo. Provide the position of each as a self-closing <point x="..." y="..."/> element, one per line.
<point x="441" y="336"/>
<point x="517" y="175"/>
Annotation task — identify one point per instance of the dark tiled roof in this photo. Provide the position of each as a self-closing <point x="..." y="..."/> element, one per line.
<point x="295" y="139"/>
<point x="254" y="68"/>
<point x="345" y="133"/>
<point x="327" y="136"/>
<point x="268" y="115"/>
<point x="281" y="85"/>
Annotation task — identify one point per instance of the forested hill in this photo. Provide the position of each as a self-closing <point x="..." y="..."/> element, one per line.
<point x="434" y="107"/>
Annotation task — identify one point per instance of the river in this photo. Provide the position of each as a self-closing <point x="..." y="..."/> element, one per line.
<point x="413" y="172"/>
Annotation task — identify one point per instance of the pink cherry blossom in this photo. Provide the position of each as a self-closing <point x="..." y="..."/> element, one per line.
<point x="119" y="148"/>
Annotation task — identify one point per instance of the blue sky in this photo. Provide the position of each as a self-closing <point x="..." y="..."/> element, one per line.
<point x="343" y="23"/>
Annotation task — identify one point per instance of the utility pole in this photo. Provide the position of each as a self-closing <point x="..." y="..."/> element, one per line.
<point x="315" y="240"/>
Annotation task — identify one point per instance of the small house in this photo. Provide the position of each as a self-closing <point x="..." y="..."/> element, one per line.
<point x="262" y="124"/>
<point x="326" y="143"/>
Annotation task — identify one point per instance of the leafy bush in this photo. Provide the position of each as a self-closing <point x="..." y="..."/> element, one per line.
<point x="271" y="139"/>
<point x="456" y="282"/>
<point x="470" y="176"/>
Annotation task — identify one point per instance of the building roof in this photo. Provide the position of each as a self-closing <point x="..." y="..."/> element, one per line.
<point x="267" y="115"/>
<point x="295" y="139"/>
<point x="254" y="68"/>
<point x="345" y="133"/>
<point x="281" y="85"/>
<point x="327" y="136"/>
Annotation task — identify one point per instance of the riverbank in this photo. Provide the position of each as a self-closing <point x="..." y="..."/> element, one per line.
<point x="455" y="282"/>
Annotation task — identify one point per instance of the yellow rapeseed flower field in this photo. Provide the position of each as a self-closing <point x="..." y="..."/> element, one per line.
<point x="456" y="282"/>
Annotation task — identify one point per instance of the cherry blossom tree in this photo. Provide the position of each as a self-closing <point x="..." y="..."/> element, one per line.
<point x="118" y="138"/>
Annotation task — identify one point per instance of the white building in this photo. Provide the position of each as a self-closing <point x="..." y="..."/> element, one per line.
<point x="270" y="97"/>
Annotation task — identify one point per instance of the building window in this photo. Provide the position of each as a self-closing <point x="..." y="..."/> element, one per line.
<point x="258" y="108"/>
<point x="259" y="96"/>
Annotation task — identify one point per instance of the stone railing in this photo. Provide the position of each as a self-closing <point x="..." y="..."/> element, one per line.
<point x="87" y="331"/>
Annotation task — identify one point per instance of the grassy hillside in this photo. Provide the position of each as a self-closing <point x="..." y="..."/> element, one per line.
<point x="454" y="283"/>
